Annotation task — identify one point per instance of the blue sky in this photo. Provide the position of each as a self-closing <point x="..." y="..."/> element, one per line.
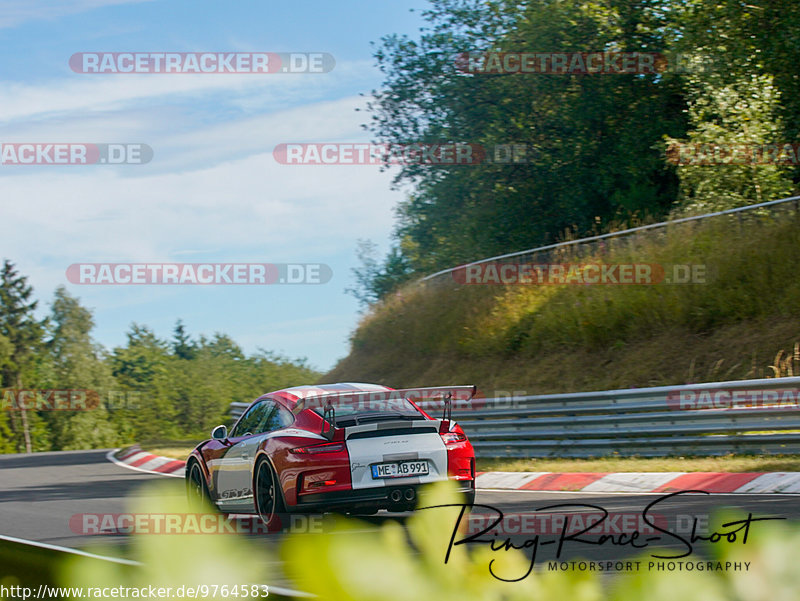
<point x="213" y="191"/>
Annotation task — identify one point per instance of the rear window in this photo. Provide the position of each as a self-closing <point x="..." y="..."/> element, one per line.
<point x="350" y="412"/>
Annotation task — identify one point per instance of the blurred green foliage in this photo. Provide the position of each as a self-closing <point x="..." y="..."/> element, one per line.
<point x="354" y="561"/>
<point x="174" y="560"/>
<point x="392" y="565"/>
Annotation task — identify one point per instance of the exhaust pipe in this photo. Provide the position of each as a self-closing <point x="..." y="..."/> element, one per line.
<point x="396" y="495"/>
<point x="409" y="494"/>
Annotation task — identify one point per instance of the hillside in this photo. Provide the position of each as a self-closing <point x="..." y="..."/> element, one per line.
<point x="742" y="322"/>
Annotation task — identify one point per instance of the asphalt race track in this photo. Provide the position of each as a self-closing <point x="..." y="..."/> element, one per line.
<point x="41" y="492"/>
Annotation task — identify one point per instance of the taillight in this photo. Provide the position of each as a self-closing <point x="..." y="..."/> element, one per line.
<point x="454" y="437"/>
<point x="328" y="447"/>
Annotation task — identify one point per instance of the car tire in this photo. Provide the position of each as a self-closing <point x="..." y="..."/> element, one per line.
<point x="267" y="496"/>
<point x="196" y="488"/>
<point x="469" y="497"/>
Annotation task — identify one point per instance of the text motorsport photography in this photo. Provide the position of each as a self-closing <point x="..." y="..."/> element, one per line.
<point x="548" y="534"/>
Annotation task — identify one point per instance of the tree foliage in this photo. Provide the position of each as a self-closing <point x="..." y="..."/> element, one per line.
<point x="22" y="333"/>
<point x="373" y="280"/>
<point x="595" y="143"/>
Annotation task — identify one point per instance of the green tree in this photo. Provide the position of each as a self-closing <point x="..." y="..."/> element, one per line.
<point x="143" y="361"/>
<point x="202" y="389"/>
<point x="223" y="346"/>
<point x="182" y="345"/>
<point x="739" y="40"/>
<point x="6" y="445"/>
<point x="143" y="366"/>
<point x="374" y="281"/>
<point x="742" y="115"/>
<point x="24" y="333"/>
<point x="743" y="90"/>
<point x="78" y="363"/>
<point x="77" y="359"/>
<point x="589" y="140"/>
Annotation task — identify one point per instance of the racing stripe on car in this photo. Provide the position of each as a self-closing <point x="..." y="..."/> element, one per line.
<point x="430" y="424"/>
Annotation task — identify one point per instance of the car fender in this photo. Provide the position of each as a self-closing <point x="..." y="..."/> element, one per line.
<point x="197" y="456"/>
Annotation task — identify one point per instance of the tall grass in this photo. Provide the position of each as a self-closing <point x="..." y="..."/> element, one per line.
<point x="752" y="281"/>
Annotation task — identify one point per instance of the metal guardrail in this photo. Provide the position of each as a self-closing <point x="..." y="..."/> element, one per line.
<point x="236" y="409"/>
<point x="715" y="418"/>
<point x="550" y="250"/>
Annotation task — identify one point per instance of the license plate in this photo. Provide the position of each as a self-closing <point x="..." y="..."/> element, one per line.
<point x="403" y="469"/>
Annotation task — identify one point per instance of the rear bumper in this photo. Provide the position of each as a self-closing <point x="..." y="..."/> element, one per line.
<point x="384" y="497"/>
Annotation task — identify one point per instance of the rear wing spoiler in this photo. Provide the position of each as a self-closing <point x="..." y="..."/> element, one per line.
<point x="329" y="402"/>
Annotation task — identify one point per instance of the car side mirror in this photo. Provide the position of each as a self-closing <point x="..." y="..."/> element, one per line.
<point x="219" y="433"/>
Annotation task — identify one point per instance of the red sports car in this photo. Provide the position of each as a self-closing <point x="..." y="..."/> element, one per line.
<point x="346" y="447"/>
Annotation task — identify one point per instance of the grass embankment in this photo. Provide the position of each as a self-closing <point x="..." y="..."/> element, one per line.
<point x="564" y="338"/>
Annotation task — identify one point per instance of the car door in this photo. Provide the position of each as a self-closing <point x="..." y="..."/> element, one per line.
<point x="233" y="473"/>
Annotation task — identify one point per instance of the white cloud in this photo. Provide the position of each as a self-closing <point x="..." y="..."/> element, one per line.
<point x="244" y="206"/>
<point x="80" y="95"/>
<point x="213" y="192"/>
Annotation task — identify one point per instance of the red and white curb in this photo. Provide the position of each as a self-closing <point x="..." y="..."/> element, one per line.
<point x="643" y="482"/>
<point x="135" y="459"/>
<point x="633" y="482"/>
